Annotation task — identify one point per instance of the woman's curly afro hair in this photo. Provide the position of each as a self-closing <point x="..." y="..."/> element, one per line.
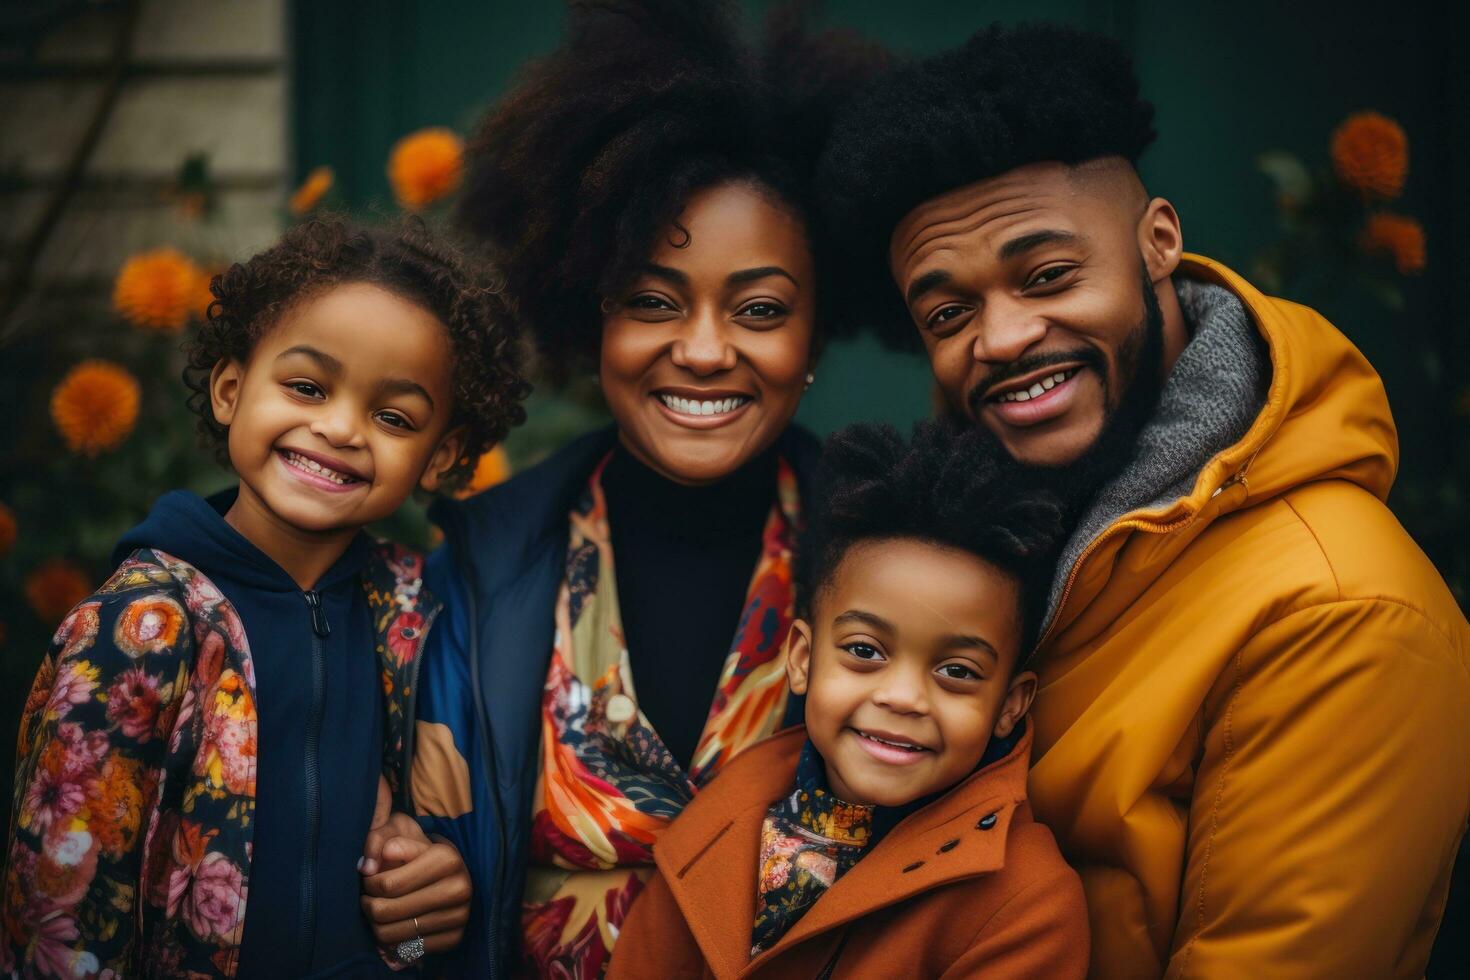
<point x="947" y="485"/>
<point x="1005" y="98"/>
<point x="251" y="297"/>
<point x="570" y="178"/>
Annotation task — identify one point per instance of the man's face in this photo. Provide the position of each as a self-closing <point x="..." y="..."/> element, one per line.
<point x="1033" y="303"/>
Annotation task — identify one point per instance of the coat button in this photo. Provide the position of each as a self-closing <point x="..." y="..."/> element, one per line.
<point x="620" y="708"/>
<point x="949" y="845"/>
<point x="987" y="821"/>
<point x="916" y="865"/>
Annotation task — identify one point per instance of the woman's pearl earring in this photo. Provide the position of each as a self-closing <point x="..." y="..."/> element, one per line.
<point x="810" y="379"/>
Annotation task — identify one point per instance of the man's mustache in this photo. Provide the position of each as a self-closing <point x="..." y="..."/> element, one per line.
<point x="1085" y="356"/>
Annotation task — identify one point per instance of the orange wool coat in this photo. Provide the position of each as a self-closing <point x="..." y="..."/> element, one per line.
<point x="1253" y="725"/>
<point x="948" y="893"/>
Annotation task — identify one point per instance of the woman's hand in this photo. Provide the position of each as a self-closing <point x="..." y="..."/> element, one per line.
<point x="408" y="876"/>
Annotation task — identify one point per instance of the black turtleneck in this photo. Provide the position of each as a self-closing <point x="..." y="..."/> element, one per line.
<point x="684" y="557"/>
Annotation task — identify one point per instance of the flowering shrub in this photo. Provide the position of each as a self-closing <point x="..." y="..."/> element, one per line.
<point x="1370" y="152"/>
<point x="95" y="406"/>
<point x="1333" y="220"/>
<point x="312" y="190"/>
<point x="425" y="166"/>
<point x="158" y="290"/>
<point x="1399" y="237"/>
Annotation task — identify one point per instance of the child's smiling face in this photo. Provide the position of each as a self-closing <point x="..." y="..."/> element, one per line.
<point x="907" y="668"/>
<point x="342" y="409"/>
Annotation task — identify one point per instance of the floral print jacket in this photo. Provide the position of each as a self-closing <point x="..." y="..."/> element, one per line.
<point x="135" y="782"/>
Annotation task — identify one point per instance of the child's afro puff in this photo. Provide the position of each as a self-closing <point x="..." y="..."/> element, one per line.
<point x="251" y="297"/>
<point x="599" y="145"/>
<point x="946" y="485"/>
<point x="1005" y="98"/>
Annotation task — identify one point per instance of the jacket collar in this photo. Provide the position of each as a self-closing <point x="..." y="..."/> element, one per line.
<point x="709" y="856"/>
<point x="1323" y="415"/>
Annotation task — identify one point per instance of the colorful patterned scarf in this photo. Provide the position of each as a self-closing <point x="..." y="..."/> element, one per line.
<point x="608" y="786"/>
<point x="809" y="839"/>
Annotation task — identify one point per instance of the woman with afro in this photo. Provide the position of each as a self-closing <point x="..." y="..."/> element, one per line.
<point x="645" y="191"/>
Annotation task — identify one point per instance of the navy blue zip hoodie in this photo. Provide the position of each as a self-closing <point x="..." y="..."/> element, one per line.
<point x="320" y="708"/>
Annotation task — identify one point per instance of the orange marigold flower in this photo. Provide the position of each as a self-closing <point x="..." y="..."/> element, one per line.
<point x="424" y="166"/>
<point x="95" y="406"/>
<point x="7" y="529"/>
<point x="312" y="190"/>
<point x="157" y="290"/>
<point x="1371" y="152"/>
<point x="493" y="467"/>
<point x="1398" y="236"/>
<point x="55" y="586"/>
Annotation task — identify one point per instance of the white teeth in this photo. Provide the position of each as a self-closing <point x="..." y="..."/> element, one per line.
<point x="1039" y="388"/>
<point x="898" y="745"/>
<point x="688" y="406"/>
<point x="312" y="466"/>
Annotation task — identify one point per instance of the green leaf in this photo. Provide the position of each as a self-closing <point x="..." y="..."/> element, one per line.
<point x="1386" y="293"/>
<point x="1291" y="177"/>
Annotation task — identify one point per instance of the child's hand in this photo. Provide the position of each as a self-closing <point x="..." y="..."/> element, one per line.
<point x="412" y="886"/>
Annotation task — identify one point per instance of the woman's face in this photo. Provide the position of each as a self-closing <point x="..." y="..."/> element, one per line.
<point x="705" y="354"/>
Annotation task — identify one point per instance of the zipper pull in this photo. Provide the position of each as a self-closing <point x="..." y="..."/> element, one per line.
<point x="318" y="615"/>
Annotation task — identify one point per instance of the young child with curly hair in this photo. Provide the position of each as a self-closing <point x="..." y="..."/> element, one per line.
<point x="212" y="724"/>
<point x="890" y="835"/>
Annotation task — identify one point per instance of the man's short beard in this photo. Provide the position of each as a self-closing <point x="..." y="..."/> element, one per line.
<point x="1140" y="369"/>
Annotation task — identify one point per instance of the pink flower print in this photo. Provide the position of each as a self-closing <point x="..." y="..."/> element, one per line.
<point x="75" y="682"/>
<point x="199" y="592"/>
<point x="229" y="620"/>
<point x="133" y="702"/>
<point x="774" y="873"/>
<point x="209" y="659"/>
<point x="777" y="852"/>
<point x="403" y="636"/>
<point x="820" y="865"/>
<point x="182" y="719"/>
<point x="77" y="630"/>
<point x="227" y="755"/>
<point x="80" y="750"/>
<point x="54" y="932"/>
<point x="52" y="798"/>
<point x="216" y="899"/>
<point x="67" y="866"/>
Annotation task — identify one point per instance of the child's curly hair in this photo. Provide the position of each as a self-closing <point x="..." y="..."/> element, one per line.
<point x="251" y="297"/>
<point x="951" y="486"/>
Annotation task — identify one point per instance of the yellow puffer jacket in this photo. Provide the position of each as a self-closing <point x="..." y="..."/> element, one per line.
<point x="1253" y="729"/>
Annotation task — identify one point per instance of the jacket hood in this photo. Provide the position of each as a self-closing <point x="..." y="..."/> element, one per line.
<point x="1326" y="414"/>
<point x="1266" y="397"/>
<point x="193" y="529"/>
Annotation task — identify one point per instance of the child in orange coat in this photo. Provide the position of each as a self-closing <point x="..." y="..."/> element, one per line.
<point x="890" y="835"/>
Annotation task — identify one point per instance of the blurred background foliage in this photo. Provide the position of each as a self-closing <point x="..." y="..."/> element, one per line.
<point x="1319" y="148"/>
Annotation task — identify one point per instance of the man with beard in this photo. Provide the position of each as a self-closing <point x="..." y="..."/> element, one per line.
<point x="1251" y="734"/>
